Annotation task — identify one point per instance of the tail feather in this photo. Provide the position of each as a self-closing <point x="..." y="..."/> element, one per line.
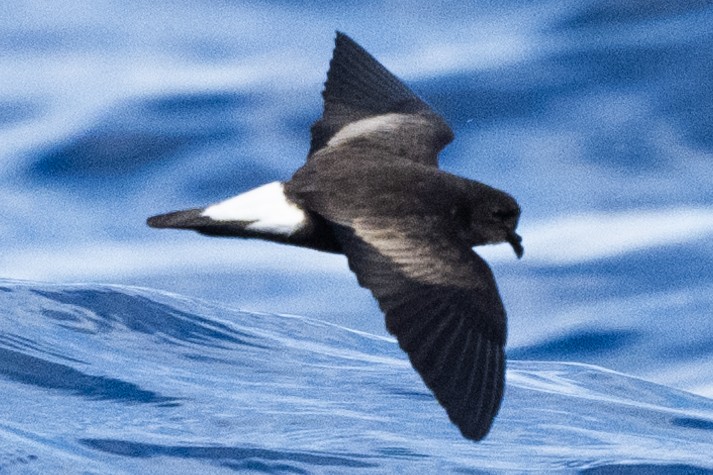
<point x="193" y="219"/>
<point x="186" y="219"/>
<point x="262" y="213"/>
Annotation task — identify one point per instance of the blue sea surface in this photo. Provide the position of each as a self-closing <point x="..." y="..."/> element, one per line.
<point x="596" y="115"/>
<point x="117" y="379"/>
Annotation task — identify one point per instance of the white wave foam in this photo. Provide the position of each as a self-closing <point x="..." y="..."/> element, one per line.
<point x="558" y="241"/>
<point x="587" y="237"/>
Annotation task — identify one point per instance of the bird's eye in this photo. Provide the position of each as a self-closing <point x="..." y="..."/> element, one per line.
<point x="505" y="214"/>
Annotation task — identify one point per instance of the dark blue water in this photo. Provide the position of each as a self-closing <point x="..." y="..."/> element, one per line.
<point x="595" y="115"/>
<point x="121" y="379"/>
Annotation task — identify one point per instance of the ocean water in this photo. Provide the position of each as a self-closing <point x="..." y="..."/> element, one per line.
<point x="117" y="379"/>
<point x="595" y="115"/>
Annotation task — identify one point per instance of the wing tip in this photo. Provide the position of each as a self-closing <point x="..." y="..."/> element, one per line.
<point x="476" y="433"/>
<point x="341" y="37"/>
<point x="476" y="425"/>
<point x="467" y="378"/>
<point x="357" y="70"/>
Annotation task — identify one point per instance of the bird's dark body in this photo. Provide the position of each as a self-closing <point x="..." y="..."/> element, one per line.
<point x="371" y="189"/>
<point x="393" y="187"/>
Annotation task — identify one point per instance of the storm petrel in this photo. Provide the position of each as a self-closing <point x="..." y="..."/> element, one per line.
<point x="371" y="190"/>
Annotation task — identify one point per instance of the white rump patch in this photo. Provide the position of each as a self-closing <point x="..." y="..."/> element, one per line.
<point x="377" y="124"/>
<point x="266" y="208"/>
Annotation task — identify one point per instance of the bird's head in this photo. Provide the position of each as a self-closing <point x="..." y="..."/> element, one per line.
<point x="505" y="219"/>
<point x="490" y="217"/>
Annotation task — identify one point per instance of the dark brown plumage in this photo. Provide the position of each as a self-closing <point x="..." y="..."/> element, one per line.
<point x="371" y="189"/>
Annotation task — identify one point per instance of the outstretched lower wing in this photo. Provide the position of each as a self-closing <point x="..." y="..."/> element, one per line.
<point x="366" y="105"/>
<point x="442" y="304"/>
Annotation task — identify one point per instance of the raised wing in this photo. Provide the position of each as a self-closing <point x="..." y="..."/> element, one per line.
<point x="367" y="106"/>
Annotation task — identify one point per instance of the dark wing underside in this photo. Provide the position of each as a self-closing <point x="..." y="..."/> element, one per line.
<point x="440" y="299"/>
<point x="358" y="87"/>
<point x="441" y="302"/>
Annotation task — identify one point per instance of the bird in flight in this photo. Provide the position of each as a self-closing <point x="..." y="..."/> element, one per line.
<point x="371" y="190"/>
